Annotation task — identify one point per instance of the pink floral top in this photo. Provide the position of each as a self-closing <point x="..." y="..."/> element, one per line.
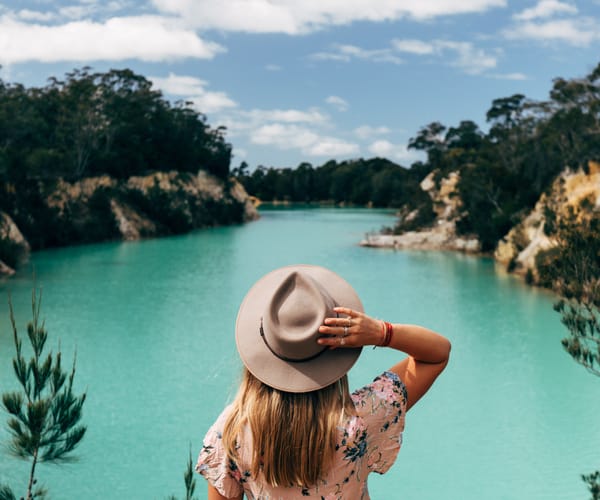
<point x="368" y="442"/>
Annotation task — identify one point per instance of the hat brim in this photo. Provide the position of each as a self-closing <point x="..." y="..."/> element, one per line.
<point x="304" y="376"/>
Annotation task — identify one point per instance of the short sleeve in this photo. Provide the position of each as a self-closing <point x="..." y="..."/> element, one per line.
<point x="382" y="405"/>
<point x="214" y="464"/>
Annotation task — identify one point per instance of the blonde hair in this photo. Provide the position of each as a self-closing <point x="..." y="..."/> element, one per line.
<point x="293" y="434"/>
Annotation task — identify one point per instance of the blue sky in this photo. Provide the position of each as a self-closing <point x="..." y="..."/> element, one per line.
<point x="311" y="80"/>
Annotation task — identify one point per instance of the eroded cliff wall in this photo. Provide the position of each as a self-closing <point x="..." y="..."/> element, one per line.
<point x="103" y="208"/>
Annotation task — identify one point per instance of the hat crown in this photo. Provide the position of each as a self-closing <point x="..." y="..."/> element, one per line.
<point x="293" y="316"/>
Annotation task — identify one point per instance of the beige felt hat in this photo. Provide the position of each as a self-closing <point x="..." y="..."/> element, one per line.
<point x="278" y="323"/>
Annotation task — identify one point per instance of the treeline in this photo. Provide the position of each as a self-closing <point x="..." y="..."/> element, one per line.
<point x="375" y="181"/>
<point x="95" y="124"/>
<point x="504" y="172"/>
<point x="110" y="123"/>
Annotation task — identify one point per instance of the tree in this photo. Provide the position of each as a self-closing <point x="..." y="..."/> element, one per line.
<point x="577" y="280"/>
<point x="430" y="139"/>
<point x="575" y="273"/>
<point x="45" y="414"/>
<point x="593" y="482"/>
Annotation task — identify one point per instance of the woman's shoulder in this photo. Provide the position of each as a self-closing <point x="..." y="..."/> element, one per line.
<point x="387" y="386"/>
<point x="383" y="397"/>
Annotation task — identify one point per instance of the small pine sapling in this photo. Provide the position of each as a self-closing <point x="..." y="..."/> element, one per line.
<point x="44" y="414"/>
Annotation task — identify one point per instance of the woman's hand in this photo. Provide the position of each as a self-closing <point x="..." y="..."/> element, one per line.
<point x="351" y="329"/>
<point x="428" y="352"/>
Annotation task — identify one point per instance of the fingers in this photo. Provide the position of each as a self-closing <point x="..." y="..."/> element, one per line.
<point x="341" y="321"/>
<point x="338" y="330"/>
<point x="349" y="328"/>
<point x="335" y="341"/>
<point x="346" y="310"/>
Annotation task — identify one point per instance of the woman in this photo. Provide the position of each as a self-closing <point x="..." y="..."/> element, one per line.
<point x="294" y="430"/>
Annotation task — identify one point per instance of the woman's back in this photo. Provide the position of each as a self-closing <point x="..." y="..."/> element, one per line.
<point x="366" y="442"/>
<point x="293" y="430"/>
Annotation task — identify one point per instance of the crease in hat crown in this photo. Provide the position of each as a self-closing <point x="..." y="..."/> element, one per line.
<point x="292" y="318"/>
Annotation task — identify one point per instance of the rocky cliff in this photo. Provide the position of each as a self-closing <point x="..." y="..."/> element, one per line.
<point x="518" y="251"/>
<point x="103" y="208"/>
<point x="520" y="248"/>
<point x="441" y="234"/>
<point x="14" y="248"/>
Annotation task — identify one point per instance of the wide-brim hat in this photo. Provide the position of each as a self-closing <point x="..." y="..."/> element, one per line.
<point x="278" y="323"/>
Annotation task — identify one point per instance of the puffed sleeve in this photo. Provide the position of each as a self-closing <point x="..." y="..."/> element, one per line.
<point x="382" y="405"/>
<point x="213" y="463"/>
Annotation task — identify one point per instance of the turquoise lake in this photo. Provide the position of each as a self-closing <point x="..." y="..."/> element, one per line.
<point x="512" y="417"/>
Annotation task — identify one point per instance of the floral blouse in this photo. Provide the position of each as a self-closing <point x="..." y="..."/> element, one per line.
<point x="368" y="442"/>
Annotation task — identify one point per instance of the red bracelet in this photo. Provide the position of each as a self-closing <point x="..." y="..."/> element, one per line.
<point x="389" y="330"/>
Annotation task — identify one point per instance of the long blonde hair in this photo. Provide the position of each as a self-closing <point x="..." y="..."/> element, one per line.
<point x="293" y="434"/>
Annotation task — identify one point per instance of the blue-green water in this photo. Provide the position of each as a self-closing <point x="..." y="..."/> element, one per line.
<point x="511" y="418"/>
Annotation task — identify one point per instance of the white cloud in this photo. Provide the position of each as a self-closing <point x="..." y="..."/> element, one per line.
<point x="464" y="55"/>
<point x="366" y="131"/>
<point x="508" y="76"/>
<point x="544" y="9"/>
<point x="193" y="89"/>
<point x="148" y="38"/>
<point x="76" y="11"/>
<point x="579" y="32"/>
<point x="330" y="56"/>
<point x="313" y="116"/>
<point x="339" y="103"/>
<point x="284" y="136"/>
<point x="386" y="149"/>
<point x="535" y="23"/>
<point x="179" y="85"/>
<point x="469" y="58"/>
<point x="381" y="148"/>
<point x="273" y="67"/>
<point x="329" y="146"/>
<point x="84" y="9"/>
<point x="346" y="53"/>
<point x="211" y="102"/>
<point x="35" y="15"/>
<point x="247" y="123"/>
<point x="292" y="136"/>
<point x="413" y="46"/>
<point x="297" y="17"/>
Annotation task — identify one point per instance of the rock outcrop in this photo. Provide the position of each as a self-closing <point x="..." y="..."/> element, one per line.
<point x="524" y="242"/>
<point x="14" y="248"/>
<point x="102" y="208"/>
<point x="441" y="235"/>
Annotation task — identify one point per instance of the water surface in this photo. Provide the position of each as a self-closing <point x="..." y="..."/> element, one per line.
<point x="511" y="418"/>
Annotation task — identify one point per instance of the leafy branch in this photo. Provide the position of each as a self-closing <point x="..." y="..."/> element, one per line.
<point x="44" y="414"/>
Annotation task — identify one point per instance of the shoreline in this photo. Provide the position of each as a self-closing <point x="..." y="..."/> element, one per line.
<point x="439" y="239"/>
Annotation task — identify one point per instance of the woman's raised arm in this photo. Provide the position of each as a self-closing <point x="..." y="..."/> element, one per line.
<point x="428" y="352"/>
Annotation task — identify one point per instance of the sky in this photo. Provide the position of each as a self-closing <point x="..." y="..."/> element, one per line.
<point x="312" y="80"/>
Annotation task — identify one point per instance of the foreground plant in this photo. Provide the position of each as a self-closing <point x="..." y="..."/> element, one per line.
<point x="575" y="275"/>
<point x="44" y="412"/>
<point x="189" y="480"/>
